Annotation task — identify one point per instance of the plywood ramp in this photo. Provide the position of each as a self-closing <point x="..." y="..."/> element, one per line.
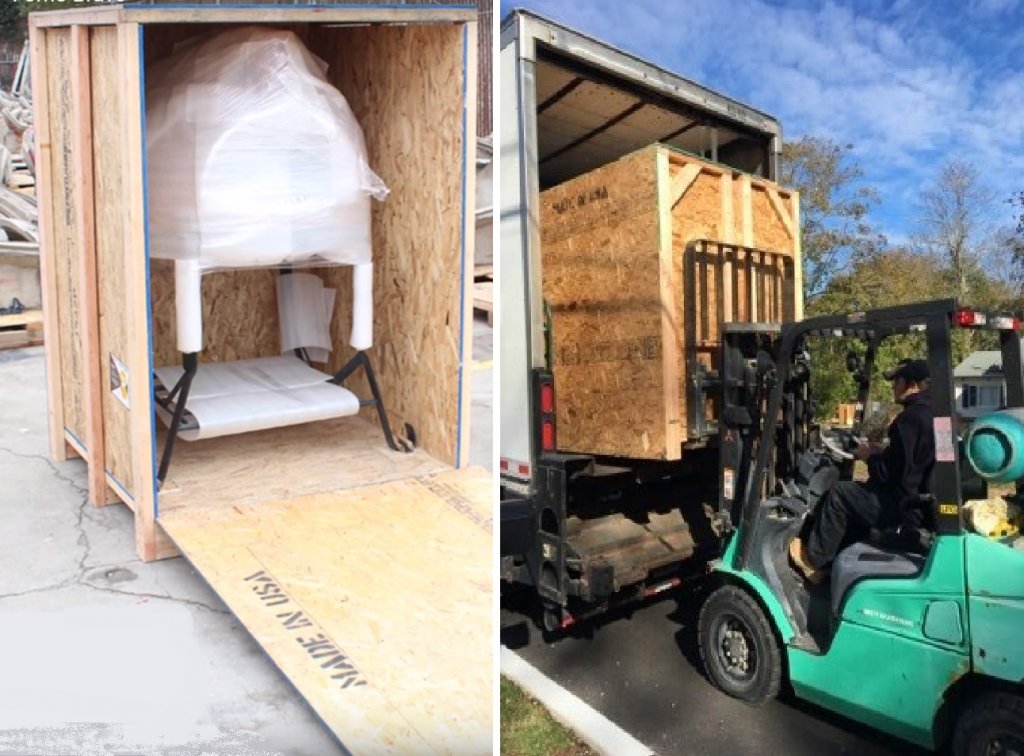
<point x="250" y="468"/>
<point x="375" y="602"/>
<point x="643" y="260"/>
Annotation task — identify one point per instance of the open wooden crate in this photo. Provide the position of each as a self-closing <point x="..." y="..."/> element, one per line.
<point x="232" y="503"/>
<point x="409" y="85"/>
<point x="643" y="260"/>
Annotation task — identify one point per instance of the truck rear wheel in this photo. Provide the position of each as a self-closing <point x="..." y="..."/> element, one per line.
<point x="991" y="725"/>
<point x="738" y="647"/>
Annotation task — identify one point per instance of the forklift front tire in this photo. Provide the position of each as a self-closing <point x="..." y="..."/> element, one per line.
<point x="740" y="651"/>
<point x="993" y="723"/>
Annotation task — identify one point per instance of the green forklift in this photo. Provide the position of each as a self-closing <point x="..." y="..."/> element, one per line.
<point x="918" y="634"/>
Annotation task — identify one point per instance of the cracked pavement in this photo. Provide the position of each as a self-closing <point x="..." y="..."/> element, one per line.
<point x="102" y="653"/>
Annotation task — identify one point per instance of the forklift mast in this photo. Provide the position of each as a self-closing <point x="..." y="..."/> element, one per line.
<point x="766" y="376"/>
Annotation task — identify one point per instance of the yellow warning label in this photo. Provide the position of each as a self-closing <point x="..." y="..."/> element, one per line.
<point x="949" y="509"/>
<point x="119" y="380"/>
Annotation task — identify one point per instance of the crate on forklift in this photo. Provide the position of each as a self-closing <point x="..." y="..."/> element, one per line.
<point x="265" y="515"/>
<point x="643" y="259"/>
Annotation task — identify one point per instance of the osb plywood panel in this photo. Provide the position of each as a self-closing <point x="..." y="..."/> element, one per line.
<point x="699" y="214"/>
<point x="63" y="218"/>
<point x="637" y="298"/>
<point x="715" y="285"/>
<point x="374" y="602"/>
<point x="239" y="314"/>
<point x="404" y="85"/>
<point x="302" y="459"/>
<point x="769" y="231"/>
<point x="600" y="248"/>
<point x="115" y="323"/>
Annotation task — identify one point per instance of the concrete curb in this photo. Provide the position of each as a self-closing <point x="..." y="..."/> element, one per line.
<point x="596" y="730"/>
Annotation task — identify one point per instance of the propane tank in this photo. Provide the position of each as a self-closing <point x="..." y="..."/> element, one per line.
<point x="995" y="446"/>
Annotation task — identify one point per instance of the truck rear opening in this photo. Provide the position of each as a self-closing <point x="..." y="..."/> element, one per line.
<point x="589" y="528"/>
<point x="588" y="117"/>
<point x="571" y="104"/>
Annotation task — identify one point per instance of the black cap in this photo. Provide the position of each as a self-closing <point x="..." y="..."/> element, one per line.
<point x="913" y="371"/>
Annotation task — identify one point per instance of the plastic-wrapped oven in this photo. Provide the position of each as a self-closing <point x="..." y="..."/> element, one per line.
<point x="253" y="157"/>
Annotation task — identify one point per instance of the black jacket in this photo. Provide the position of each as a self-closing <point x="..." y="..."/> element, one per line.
<point x="900" y="473"/>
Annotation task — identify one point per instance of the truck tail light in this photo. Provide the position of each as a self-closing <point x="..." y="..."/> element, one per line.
<point x="968" y="318"/>
<point x="544" y="387"/>
<point x="547" y="435"/>
<point x="547" y="398"/>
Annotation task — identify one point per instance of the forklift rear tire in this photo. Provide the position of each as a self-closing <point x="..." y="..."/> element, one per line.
<point x="992" y="724"/>
<point x="738" y="647"/>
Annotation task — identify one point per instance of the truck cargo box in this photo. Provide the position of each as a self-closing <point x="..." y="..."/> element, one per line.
<point x="643" y="259"/>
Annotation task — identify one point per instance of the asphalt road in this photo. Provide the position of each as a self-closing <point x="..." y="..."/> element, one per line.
<point x="642" y="670"/>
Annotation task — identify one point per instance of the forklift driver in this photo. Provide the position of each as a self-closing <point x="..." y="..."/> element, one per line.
<point x="897" y="475"/>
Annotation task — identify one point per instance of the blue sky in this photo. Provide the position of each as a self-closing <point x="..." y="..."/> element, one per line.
<point x="908" y="83"/>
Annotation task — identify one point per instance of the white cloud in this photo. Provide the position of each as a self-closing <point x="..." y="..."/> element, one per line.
<point x="992" y="7"/>
<point x="900" y="83"/>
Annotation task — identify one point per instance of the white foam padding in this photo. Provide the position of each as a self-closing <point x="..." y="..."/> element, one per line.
<point x="304" y="319"/>
<point x="253" y="157"/>
<point x="250" y="395"/>
<point x="362" y="307"/>
<point x="188" y="305"/>
<point x="322" y="355"/>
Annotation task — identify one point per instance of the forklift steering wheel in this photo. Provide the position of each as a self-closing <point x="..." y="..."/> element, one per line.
<point x="837" y="443"/>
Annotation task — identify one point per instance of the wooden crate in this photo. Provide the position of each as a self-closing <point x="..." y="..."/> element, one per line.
<point x="408" y="74"/>
<point x="22" y="330"/>
<point x="643" y="260"/>
<point x="483" y="292"/>
<point x="19" y="275"/>
<point x="276" y="520"/>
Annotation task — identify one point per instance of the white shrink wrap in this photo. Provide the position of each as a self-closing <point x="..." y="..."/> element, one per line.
<point x="253" y="158"/>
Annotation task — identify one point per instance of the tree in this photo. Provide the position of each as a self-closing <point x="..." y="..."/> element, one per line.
<point x="12" y="28"/>
<point x="24" y="8"/>
<point x="1015" y="238"/>
<point x="888" y="278"/>
<point x="893" y="277"/>
<point x="14" y="12"/>
<point x="834" y="205"/>
<point x="955" y="220"/>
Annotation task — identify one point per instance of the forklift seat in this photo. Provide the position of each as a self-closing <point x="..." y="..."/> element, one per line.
<point x="863" y="560"/>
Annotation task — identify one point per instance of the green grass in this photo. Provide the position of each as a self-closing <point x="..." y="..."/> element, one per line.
<point x="528" y="730"/>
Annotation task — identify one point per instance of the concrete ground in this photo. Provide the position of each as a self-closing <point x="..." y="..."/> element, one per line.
<point x="103" y="654"/>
